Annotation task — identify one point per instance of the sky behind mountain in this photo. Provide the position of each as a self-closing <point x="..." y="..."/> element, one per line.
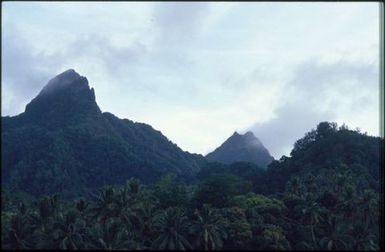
<point x="198" y="71"/>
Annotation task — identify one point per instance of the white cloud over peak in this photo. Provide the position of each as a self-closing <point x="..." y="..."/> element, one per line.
<point x="198" y="71"/>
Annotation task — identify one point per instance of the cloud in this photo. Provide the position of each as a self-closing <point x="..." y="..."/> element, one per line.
<point x="179" y="23"/>
<point x="319" y="92"/>
<point x="315" y="77"/>
<point x="26" y="69"/>
<point x="199" y="71"/>
<point x="115" y="58"/>
<point x="22" y="72"/>
<point x="290" y="123"/>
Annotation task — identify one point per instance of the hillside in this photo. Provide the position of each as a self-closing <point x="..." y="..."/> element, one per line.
<point x="326" y="152"/>
<point x="63" y="143"/>
<point x="324" y="197"/>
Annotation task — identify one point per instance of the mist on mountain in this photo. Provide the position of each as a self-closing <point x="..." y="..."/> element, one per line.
<point x="240" y="147"/>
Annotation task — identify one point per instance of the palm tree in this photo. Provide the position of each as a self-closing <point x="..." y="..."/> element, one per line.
<point x="274" y="238"/>
<point x="363" y="239"/>
<point x="144" y="231"/>
<point x="311" y="186"/>
<point x="133" y="186"/>
<point x="128" y="207"/>
<point x="209" y="228"/>
<point x="81" y="206"/>
<point x="295" y="186"/>
<point x="348" y="204"/>
<point x="369" y="207"/>
<point x="22" y="208"/>
<point x="43" y="219"/>
<point x="171" y="226"/>
<point x="312" y="212"/>
<point x="342" y="179"/>
<point x="109" y="236"/>
<point x="19" y="234"/>
<point x="104" y="204"/>
<point x="335" y="237"/>
<point x="69" y="232"/>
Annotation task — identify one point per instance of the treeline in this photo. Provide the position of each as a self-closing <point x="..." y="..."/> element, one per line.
<point x="219" y="213"/>
<point x="324" y="197"/>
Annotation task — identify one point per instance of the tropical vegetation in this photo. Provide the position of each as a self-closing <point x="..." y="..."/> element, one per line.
<point x="325" y="196"/>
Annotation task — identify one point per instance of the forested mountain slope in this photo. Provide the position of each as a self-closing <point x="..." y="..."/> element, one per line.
<point x="63" y="143"/>
<point x="326" y="152"/>
<point x="324" y="197"/>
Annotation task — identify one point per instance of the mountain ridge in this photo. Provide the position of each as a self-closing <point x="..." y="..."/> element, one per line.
<point x="62" y="142"/>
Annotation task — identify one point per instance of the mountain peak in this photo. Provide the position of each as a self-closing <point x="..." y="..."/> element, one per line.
<point x="62" y="80"/>
<point x="70" y="71"/>
<point x="69" y="74"/>
<point x="240" y="147"/>
<point x="63" y="140"/>
<point x="66" y="93"/>
<point x="249" y="134"/>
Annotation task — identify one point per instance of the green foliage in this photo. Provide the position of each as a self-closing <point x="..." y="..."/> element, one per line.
<point x="273" y="238"/>
<point x="170" y="191"/>
<point x="322" y="201"/>
<point x="259" y="203"/>
<point x="239" y="233"/>
<point x="73" y="154"/>
<point x="171" y="227"/>
<point x="327" y="151"/>
<point x="218" y="189"/>
<point x="209" y="228"/>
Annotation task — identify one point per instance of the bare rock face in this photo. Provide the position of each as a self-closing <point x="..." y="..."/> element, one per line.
<point x="241" y="148"/>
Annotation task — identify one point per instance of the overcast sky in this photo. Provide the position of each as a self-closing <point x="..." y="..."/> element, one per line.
<point x="200" y="71"/>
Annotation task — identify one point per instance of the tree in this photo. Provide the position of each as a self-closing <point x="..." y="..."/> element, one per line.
<point x="82" y="207"/>
<point x="109" y="235"/>
<point x="335" y="236"/>
<point x="208" y="228"/>
<point x="295" y="187"/>
<point x="312" y="213"/>
<point x="218" y="189"/>
<point x="274" y="238"/>
<point x="170" y="191"/>
<point x="369" y="207"/>
<point x="171" y="227"/>
<point x="324" y="129"/>
<point x="69" y="231"/>
<point x="362" y="237"/>
<point x="239" y="233"/>
<point x="104" y="205"/>
<point x="19" y="234"/>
